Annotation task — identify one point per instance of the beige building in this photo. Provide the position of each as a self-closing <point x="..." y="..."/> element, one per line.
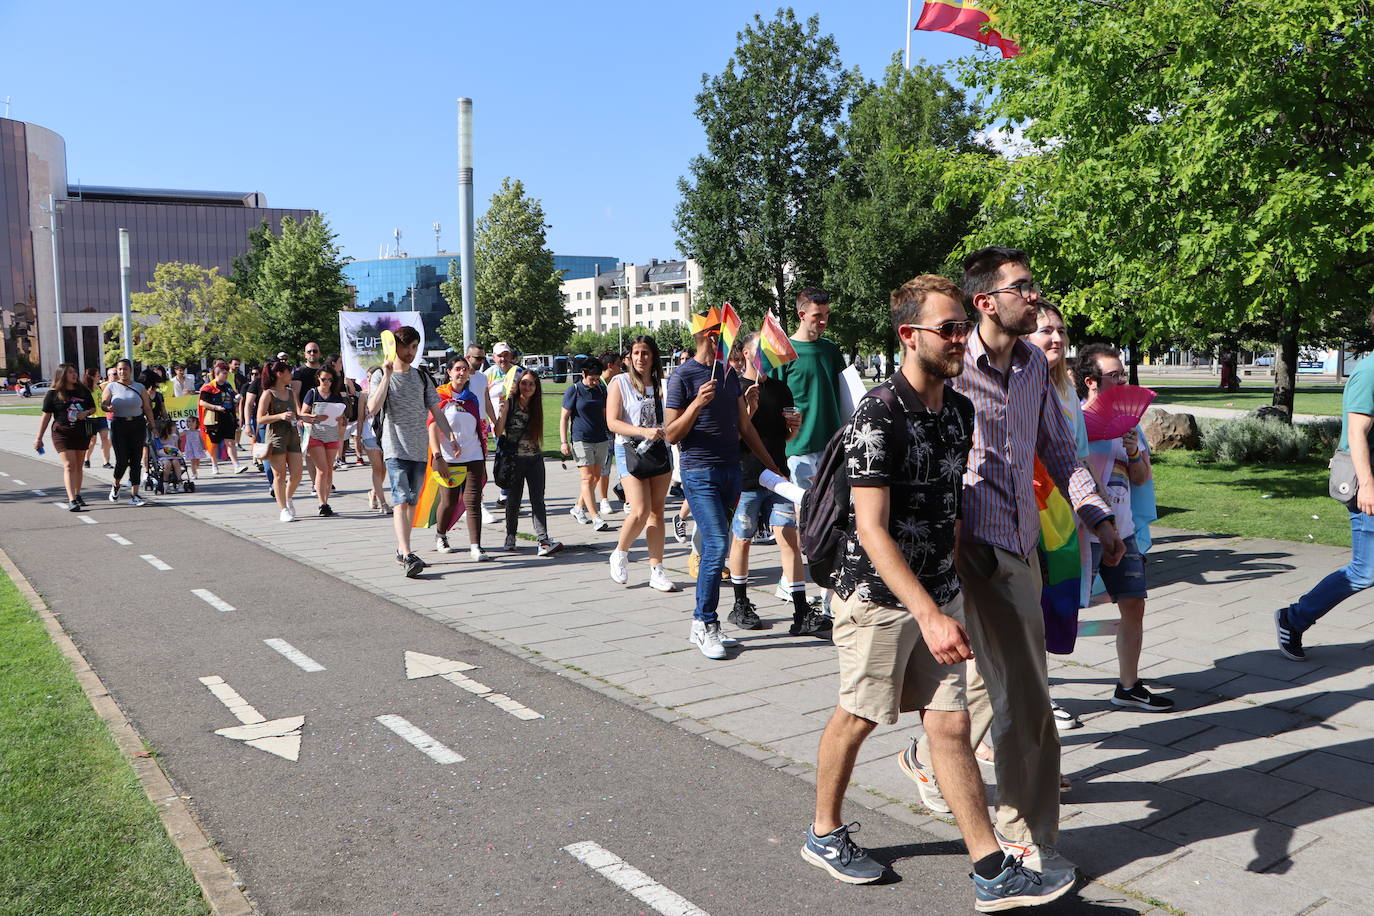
<point x="649" y="295"/>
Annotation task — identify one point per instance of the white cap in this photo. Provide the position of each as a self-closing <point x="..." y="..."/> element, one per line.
<point x="502" y="347"/>
<point x="281" y="355"/>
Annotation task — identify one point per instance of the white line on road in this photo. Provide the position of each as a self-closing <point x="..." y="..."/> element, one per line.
<point x="294" y="655"/>
<point x="39" y="493"/>
<point x="4" y="474"/>
<point x="88" y="520"/>
<point x="120" y="540"/>
<point x="420" y="665"/>
<point x="19" y="483"/>
<point x="154" y="562"/>
<point x="625" y="876"/>
<point x="236" y="704"/>
<point x="212" y="599"/>
<point x="421" y="741"/>
<point x="61" y="504"/>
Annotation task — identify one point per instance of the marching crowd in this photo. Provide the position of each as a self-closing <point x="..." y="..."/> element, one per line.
<point x="941" y="597"/>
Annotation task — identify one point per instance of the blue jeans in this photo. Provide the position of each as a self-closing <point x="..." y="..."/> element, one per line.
<point x="711" y="493"/>
<point x="1342" y="583"/>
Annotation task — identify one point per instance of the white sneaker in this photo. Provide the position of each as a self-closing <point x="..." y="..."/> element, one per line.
<point x="441" y="544"/>
<point x="658" y="580"/>
<point x="240" y="468"/>
<point x="114" y="493"/>
<point x="783" y="592"/>
<point x="600" y="524"/>
<point x="579" y="515"/>
<point x="286" y="516"/>
<point x="487" y="517"/>
<point x="1063" y="719"/>
<point x="620" y="567"/>
<point x="605" y="507"/>
<point x="214" y="470"/>
<point x="1039" y="857"/>
<point x="478" y="554"/>
<point x="136" y="501"/>
<point x="706" y="636"/>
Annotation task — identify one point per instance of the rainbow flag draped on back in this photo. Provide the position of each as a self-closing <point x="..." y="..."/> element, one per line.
<point x="427" y="506"/>
<point x="775" y="348"/>
<point x="1061" y="560"/>
<point x="967" y="19"/>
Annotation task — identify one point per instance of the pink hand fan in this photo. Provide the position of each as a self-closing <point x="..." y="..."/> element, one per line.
<point x="1116" y="411"/>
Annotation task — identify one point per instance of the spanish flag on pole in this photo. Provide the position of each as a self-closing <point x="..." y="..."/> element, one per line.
<point x="966" y="19"/>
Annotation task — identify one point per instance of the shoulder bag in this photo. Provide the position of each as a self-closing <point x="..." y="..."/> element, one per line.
<point x="1344" y="485"/>
<point x="650" y="458"/>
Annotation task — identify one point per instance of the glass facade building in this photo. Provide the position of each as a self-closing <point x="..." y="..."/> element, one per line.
<point x="404" y="284"/>
<point x="209" y="228"/>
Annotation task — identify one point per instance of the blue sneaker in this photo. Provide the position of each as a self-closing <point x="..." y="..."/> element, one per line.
<point x="1018" y="886"/>
<point x="842" y="857"/>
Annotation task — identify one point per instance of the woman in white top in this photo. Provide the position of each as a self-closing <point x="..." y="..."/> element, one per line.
<point x="634" y="412"/>
<point x="464" y="462"/>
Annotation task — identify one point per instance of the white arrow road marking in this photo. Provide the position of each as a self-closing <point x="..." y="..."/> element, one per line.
<point x="87" y="519"/>
<point x="421" y="741"/>
<point x="420" y="665"/>
<point x="625" y="876"/>
<point x="293" y="655"/>
<point x="154" y="562"/>
<point x="281" y="737"/>
<point x="212" y="599"/>
<point x="120" y="540"/>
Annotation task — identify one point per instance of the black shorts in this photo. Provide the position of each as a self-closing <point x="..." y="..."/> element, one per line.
<point x="222" y="432"/>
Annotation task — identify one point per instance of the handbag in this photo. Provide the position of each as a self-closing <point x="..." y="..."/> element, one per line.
<point x="260" y="451"/>
<point x="653" y="459"/>
<point x="503" y="463"/>
<point x="1344" y="484"/>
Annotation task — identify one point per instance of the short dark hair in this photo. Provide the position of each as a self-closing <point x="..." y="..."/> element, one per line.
<point x="610" y="357"/>
<point x="909" y="300"/>
<point x="981" y="267"/>
<point x="407" y="335"/>
<point x="592" y="366"/>
<point x="812" y="295"/>
<point x="1086" y="365"/>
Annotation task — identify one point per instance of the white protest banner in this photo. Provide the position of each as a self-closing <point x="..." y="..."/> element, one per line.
<point x="360" y="338"/>
<point x="852" y="390"/>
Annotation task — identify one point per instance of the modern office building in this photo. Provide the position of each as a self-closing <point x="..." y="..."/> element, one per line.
<point x="404" y="284"/>
<point x="648" y="295"/>
<point x="209" y="228"/>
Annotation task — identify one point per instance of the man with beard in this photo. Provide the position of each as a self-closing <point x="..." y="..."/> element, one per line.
<point x="1018" y="419"/>
<point x="899" y="624"/>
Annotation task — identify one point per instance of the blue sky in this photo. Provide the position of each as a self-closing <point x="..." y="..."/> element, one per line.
<point x="349" y="108"/>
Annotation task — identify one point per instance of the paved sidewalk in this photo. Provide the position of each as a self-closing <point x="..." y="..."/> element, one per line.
<point x="1254" y="797"/>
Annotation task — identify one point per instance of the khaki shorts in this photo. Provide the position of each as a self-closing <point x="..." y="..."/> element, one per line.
<point x="885" y="667"/>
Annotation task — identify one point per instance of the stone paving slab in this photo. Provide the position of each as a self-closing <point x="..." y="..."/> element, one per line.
<point x="1265" y="761"/>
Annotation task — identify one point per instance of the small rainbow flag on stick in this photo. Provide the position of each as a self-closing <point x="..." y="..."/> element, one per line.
<point x="775" y="349"/>
<point x="729" y="330"/>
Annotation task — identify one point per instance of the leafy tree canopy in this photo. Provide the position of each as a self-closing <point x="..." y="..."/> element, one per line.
<point x="301" y="286"/>
<point x="189" y="314"/>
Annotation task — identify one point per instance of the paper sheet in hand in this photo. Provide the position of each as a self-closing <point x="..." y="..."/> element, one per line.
<point x="328" y="410"/>
<point x="852" y="390"/>
<point x="781" y="486"/>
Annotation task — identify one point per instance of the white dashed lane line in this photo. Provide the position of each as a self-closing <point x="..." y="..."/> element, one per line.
<point x="294" y="655"/>
<point x="154" y="562"/>
<point x="633" y="881"/>
<point x="421" y="741"/>
<point x="40" y="493"/>
<point x="88" y="520"/>
<point x="121" y="541"/>
<point x="209" y="597"/>
<point x="18" y="483"/>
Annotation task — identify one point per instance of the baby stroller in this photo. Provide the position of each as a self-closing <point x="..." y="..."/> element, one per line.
<point x="165" y="470"/>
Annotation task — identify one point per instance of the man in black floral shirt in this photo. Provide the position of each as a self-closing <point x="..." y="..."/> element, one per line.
<point x="899" y="627"/>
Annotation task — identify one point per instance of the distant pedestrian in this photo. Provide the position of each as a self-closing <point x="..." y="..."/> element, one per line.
<point x="100" y="423"/>
<point x="326" y="425"/>
<point x="522" y="423"/>
<point x="583" y="434"/>
<point x="182" y="384"/>
<point x="612" y="365"/>
<point x="463" y="468"/>
<point x="133" y="419"/>
<point x="67" y="406"/>
<point x="277" y="415"/>
<point x="219" y="417"/>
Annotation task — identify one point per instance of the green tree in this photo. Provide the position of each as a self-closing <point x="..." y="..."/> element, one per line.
<point x="516" y="286"/>
<point x="882" y="224"/>
<point x="751" y="212"/>
<point x="245" y="270"/>
<point x="301" y="286"/>
<point x="1206" y="169"/>
<point x="189" y="314"/>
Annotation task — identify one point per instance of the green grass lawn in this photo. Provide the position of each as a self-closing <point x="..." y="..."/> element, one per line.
<point x="1324" y="400"/>
<point x="22" y="411"/>
<point x="77" y="833"/>
<point x="1261" y="501"/>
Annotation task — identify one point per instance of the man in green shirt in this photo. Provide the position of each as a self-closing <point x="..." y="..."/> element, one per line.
<point x="813" y="379"/>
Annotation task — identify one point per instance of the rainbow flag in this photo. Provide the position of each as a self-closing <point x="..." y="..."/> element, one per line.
<point x="775" y="349"/>
<point x="729" y="330"/>
<point x="967" y="19"/>
<point x="1061" y="563"/>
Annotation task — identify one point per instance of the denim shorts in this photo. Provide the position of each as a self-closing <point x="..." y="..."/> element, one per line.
<point x="756" y="505"/>
<point x="1127" y="578"/>
<point x="803" y="468"/>
<point x="406" y="479"/>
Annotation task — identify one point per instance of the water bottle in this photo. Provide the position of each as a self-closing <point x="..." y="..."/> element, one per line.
<point x="40" y="450"/>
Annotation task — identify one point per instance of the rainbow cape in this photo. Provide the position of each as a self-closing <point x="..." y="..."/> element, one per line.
<point x="1061" y="564"/>
<point x="967" y="19"/>
<point x="427" y="507"/>
<point x="775" y="348"/>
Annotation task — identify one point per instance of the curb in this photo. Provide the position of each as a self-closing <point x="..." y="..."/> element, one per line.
<point x="220" y="886"/>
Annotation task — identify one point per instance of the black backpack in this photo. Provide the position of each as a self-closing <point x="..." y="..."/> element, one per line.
<point x="823" y="521"/>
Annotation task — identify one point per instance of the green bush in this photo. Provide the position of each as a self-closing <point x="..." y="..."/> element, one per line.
<point x="1251" y="441"/>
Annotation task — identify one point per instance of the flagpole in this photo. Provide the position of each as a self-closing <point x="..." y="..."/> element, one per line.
<point x="908" y="34"/>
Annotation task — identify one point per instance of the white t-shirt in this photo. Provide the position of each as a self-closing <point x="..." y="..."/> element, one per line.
<point x="635" y="409"/>
<point x="1112" y="468"/>
<point x="469" y="447"/>
<point x="477" y="384"/>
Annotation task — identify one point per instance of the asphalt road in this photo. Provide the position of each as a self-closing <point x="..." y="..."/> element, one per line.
<point x="363" y="822"/>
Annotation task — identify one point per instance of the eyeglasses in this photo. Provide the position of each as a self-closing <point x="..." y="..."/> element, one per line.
<point x="1023" y="288"/>
<point x="949" y="330"/>
<point x="1117" y="374"/>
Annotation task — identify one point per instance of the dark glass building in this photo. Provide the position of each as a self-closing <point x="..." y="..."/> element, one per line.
<point x="209" y="228"/>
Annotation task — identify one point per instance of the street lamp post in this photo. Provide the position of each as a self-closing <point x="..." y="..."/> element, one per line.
<point x="125" y="311"/>
<point x="52" y="209"/>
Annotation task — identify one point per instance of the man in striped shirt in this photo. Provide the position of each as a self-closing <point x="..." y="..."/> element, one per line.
<point x="1017" y="419"/>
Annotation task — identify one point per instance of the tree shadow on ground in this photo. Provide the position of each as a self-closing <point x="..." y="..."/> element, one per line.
<point x="1190" y="563"/>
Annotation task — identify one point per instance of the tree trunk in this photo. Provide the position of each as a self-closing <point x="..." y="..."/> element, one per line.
<point x="1286" y="361"/>
<point x="1134" y="347"/>
<point x="780" y="289"/>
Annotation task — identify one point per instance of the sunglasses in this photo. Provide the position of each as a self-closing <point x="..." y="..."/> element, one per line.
<point x="949" y="330"/>
<point x="1023" y="288"/>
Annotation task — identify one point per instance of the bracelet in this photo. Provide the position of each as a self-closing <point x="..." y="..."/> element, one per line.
<point x="1138" y="456"/>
